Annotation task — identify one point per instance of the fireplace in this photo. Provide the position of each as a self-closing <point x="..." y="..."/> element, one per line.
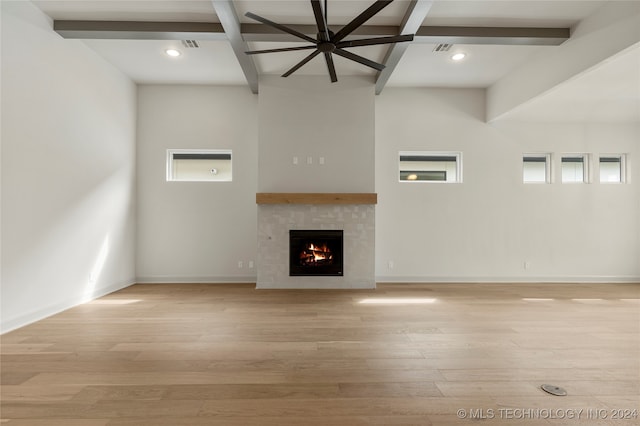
<point x="315" y="253"/>
<point x="352" y="215"/>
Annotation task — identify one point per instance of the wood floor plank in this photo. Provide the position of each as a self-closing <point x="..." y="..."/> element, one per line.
<point x="8" y="377"/>
<point x="197" y="354"/>
<point x="345" y="407"/>
<point x="389" y="390"/>
<point x="102" y="409"/>
<point x="253" y="391"/>
<point x="93" y="393"/>
<point x="279" y="421"/>
<point x="58" y="422"/>
<point x="487" y="388"/>
<point x="39" y="393"/>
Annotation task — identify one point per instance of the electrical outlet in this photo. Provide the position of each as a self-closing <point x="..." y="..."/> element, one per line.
<point x="321" y="161"/>
<point x="295" y="160"/>
<point x="251" y="264"/>
<point x="527" y="264"/>
<point x="309" y="160"/>
<point x="391" y="264"/>
<point x="240" y="264"/>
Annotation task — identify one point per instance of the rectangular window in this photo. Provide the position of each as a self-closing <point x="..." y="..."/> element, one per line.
<point x="612" y="168"/>
<point x="536" y="168"/>
<point x="575" y="168"/>
<point x="426" y="166"/>
<point x="187" y="165"/>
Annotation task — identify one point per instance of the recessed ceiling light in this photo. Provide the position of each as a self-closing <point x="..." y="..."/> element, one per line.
<point x="458" y="56"/>
<point x="172" y="52"/>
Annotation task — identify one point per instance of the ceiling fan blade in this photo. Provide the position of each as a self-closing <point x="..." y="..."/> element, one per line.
<point x="326" y="17"/>
<point x="284" y="49"/>
<point x="361" y="19"/>
<point x="320" y="20"/>
<point x="301" y="63"/>
<point x="280" y="27"/>
<point x="359" y="59"/>
<point x="376" y="40"/>
<point x="331" y="67"/>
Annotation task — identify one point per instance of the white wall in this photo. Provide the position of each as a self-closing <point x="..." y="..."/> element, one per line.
<point x="483" y="229"/>
<point x="68" y="150"/>
<point x="487" y="227"/>
<point x="196" y="231"/>
<point x="310" y="117"/>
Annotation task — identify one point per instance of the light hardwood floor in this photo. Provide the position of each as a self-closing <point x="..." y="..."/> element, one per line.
<point x="405" y="354"/>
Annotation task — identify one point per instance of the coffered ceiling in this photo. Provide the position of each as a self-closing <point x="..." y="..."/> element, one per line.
<point x="490" y="58"/>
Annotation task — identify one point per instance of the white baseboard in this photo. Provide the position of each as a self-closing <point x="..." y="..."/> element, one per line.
<point x="37" y="315"/>
<point x="515" y="280"/>
<point x="163" y="279"/>
<point x="252" y="279"/>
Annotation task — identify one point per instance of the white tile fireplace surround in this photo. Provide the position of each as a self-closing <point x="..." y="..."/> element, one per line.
<point x="278" y="213"/>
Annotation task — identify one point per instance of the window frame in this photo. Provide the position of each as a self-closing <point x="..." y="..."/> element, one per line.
<point x="548" y="172"/>
<point x="623" y="168"/>
<point x="457" y="155"/>
<point x="586" y="167"/>
<point x="218" y="152"/>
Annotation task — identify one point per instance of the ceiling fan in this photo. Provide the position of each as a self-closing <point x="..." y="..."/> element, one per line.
<point x="330" y="43"/>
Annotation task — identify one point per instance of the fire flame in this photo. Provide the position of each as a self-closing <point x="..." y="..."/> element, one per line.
<point x="315" y="253"/>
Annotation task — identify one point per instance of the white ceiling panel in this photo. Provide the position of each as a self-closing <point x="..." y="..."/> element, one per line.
<point x="511" y="13"/>
<point x="340" y="12"/>
<point x="146" y="62"/>
<point x="483" y="65"/>
<point x="130" y="10"/>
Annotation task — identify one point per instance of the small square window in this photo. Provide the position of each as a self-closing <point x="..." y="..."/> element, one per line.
<point x="427" y="166"/>
<point x="199" y="165"/>
<point x="612" y="168"/>
<point x="575" y="168"/>
<point x="536" y="168"/>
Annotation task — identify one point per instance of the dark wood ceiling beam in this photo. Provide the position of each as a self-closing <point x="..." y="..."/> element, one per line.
<point x="492" y="35"/>
<point x="139" y="30"/>
<point x="229" y="19"/>
<point x="259" y="32"/>
<point x="414" y="17"/>
<point x="426" y="34"/>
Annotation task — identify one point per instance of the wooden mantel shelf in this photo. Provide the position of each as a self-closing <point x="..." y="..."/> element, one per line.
<point x="316" y="198"/>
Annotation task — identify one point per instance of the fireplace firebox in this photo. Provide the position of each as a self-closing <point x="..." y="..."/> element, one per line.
<point x="315" y="252"/>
